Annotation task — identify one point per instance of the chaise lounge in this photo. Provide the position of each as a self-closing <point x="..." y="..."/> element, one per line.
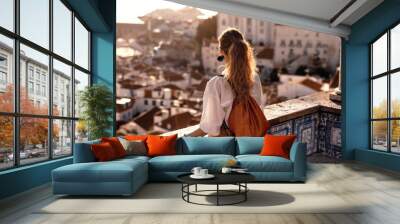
<point x="125" y="176"/>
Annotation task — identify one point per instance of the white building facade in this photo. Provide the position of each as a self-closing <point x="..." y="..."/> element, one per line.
<point x="209" y="54"/>
<point x="256" y="31"/>
<point x="294" y="47"/>
<point x="34" y="81"/>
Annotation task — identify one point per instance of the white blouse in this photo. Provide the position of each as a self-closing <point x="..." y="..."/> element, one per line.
<point x="217" y="103"/>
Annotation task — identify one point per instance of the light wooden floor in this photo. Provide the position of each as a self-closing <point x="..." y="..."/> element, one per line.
<point x="379" y="189"/>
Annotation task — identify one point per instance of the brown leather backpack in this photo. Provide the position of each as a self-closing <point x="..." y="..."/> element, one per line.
<point x="246" y="119"/>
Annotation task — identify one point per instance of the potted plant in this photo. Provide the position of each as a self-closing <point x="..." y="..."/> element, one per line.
<point x="96" y="102"/>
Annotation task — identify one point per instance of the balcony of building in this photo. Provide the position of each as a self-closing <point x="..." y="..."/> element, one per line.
<point x="351" y="130"/>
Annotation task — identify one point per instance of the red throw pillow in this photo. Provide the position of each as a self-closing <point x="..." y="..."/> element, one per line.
<point x="135" y="137"/>
<point x="103" y="152"/>
<point x="116" y="145"/>
<point x="161" y="145"/>
<point x="277" y="145"/>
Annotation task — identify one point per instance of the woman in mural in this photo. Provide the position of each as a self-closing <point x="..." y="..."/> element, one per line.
<point x="232" y="101"/>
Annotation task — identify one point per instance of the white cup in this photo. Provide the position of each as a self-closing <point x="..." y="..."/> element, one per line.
<point x="203" y="172"/>
<point x="226" y="170"/>
<point x="196" y="171"/>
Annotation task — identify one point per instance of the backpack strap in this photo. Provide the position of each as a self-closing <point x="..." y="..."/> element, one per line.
<point x="225" y="131"/>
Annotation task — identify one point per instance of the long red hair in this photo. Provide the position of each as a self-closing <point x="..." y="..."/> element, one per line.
<point x="240" y="66"/>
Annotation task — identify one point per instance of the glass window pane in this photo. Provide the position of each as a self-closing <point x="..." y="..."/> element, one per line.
<point x="62" y="89"/>
<point x="34" y="96"/>
<point x="379" y="55"/>
<point x="395" y="47"/>
<point x="379" y="97"/>
<point x="62" y="138"/>
<point x="81" y="81"/>
<point x="7" y="14"/>
<point x="6" y="74"/>
<point x="35" y="21"/>
<point x="6" y="142"/>
<point x="395" y="95"/>
<point x="81" y="45"/>
<point x="81" y="131"/>
<point x="395" y="136"/>
<point x="33" y="140"/>
<point x="62" y="29"/>
<point x="379" y="135"/>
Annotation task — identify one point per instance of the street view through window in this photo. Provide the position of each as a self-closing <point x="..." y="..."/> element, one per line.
<point x="38" y="119"/>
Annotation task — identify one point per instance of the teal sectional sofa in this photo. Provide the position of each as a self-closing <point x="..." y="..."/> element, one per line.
<point x="125" y="176"/>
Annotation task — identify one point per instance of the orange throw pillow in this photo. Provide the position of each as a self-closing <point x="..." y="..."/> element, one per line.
<point x="103" y="152"/>
<point x="116" y="145"/>
<point x="161" y="145"/>
<point x="135" y="137"/>
<point x="277" y="145"/>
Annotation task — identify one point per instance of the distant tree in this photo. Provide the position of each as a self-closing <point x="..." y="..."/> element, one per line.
<point x="301" y="70"/>
<point x="321" y="72"/>
<point x="34" y="130"/>
<point x="283" y="71"/>
<point x="380" y="128"/>
<point x="207" y="29"/>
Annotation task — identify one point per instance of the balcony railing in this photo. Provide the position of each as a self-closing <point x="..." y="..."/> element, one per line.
<point x="314" y="119"/>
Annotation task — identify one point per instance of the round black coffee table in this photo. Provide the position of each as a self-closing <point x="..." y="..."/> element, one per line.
<point x="238" y="179"/>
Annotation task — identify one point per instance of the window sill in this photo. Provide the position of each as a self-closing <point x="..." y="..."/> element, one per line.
<point x="30" y="166"/>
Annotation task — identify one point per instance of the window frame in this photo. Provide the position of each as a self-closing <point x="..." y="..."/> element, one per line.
<point x="388" y="74"/>
<point x="16" y="114"/>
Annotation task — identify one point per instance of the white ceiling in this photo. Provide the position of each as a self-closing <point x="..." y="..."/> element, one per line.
<point x="316" y="15"/>
<point x="320" y="9"/>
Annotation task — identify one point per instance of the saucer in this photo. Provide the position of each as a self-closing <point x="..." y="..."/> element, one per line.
<point x="208" y="176"/>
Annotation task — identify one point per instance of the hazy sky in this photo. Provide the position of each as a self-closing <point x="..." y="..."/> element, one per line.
<point x="128" y="11"/>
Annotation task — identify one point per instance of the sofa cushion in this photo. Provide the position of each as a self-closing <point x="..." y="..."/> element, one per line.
<point x="185" y="163"/>
<point x="277" y="145"/>
<point x="134" y="147"/>
<point x="161" y="145"/>
<point x="257" y="163"/>
<point x="103" y="152"/>
<point x="112" y="171"/>
<point x="83" y="152"/>
<point x="135" y="137"/>
<point x="116" y="145"/>
<point x="209" y="145"/>
<point x="249" y="145"/>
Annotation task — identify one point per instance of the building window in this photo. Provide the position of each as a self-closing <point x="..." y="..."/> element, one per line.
<point x="56" y="128"/>
<point x="44" y="91"/>
<point x="385" y="97"/>
<point x="38" y="89"/>
<point x="30" y="73"/>
<point x="299" y="44"/>
<point x="3" y="61"/>
<point x="30" y="87"/>
<point x="3" y="71"/>
<point x="248" y="21"/>
<point x="291" y="43"/>
<point x="283" y="43"/>
<point x="3" y="78"/>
